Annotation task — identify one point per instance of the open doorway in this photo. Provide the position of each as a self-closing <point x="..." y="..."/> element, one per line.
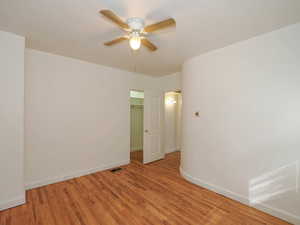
<point x="136" y="125"/>
<point x="172" y="123"/>
<point x="147" y="124"/>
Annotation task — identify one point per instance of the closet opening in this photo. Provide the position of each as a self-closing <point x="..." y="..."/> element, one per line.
<point x="136" y="125"/>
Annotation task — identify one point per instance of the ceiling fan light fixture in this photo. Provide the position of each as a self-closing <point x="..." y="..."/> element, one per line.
<point x="136" y="30"/>
<point x="135" y="42"/>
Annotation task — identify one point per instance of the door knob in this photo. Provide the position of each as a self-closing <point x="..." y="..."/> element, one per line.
<point x="146" y="131"/>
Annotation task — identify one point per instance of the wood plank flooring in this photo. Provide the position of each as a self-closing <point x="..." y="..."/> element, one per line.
<point x="139" y="194"/>
<point x="136" y="156"/>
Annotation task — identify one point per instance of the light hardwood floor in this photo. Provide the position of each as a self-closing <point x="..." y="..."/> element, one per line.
<point x="139" y="194"/>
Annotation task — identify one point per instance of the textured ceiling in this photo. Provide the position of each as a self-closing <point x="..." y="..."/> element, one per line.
<point x="74" y="28"/>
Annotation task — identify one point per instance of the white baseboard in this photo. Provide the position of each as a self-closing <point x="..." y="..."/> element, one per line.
<point x="53" y="180"/>
<point x="214" y="188"/>
<point x="12" y="203"/>
<point x="243" y="199"/>
<point x="171" y="150"/>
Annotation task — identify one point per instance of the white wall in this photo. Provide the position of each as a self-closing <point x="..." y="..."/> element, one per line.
<point x="11" y="120"/>
<point x="178" y="122"/>
<point x="172" y="136"/>
<point x="246" y="142"/>
<point x="172" y="123"/>
<point x="170" y="82"/>
<point x="76" y="116"/>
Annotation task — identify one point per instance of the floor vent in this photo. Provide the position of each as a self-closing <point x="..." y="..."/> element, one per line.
<point x="116" y="170"/>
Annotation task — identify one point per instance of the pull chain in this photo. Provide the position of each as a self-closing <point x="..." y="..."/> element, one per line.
<point x="134" y="53"/>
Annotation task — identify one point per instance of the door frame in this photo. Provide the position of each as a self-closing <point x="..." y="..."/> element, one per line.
<point x="163" y="120"/>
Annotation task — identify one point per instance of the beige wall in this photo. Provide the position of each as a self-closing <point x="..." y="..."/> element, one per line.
<point x="245" y="143"/>
<point x="170" y="82"/>
<point x="178" y="122"/>
<point x="172" y="123"/>
<point x="77" y="116"/>
<point x="11" y="120"/>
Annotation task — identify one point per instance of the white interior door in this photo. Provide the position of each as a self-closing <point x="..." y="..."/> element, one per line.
<point x="153" y="126"/>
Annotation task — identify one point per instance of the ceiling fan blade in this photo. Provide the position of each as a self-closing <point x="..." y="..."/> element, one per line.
<point x="160" y="25"/>
<point x="113" y="17"/>
<point x="148" y="44"/>
<point x="115" y="41"/>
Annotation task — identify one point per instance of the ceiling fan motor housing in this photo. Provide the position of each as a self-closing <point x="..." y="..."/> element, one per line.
<point x="135" y="23"/>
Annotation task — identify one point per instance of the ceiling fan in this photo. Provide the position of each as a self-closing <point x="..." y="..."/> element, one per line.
<point x="136" y="30"/>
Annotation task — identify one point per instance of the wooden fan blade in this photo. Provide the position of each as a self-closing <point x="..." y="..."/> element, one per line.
<point x="148" y="44"/>
<point x="160" y="25"/>
<point x="113" y="17"/>
<point x="115" y="41"/>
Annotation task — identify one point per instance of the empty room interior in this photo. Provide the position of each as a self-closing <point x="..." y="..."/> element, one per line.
<point x="149" y="112"/>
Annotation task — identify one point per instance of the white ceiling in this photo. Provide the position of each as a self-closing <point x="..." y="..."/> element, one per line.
<point x="74" y="28"/>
